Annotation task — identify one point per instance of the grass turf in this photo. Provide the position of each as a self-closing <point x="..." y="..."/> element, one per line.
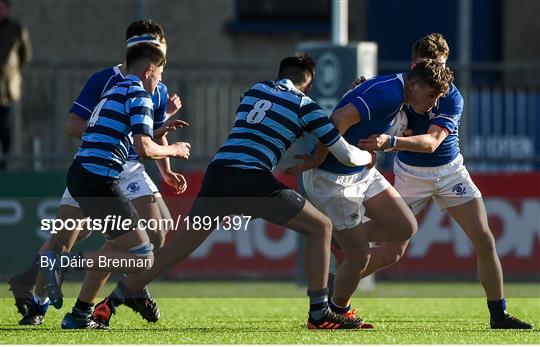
<point x="251" y="312"/>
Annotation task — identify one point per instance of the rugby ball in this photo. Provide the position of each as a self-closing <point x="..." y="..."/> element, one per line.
<point x="398" y="125"/>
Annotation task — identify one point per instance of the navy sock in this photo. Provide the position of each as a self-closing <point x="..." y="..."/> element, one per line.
<point x="339" y="309"/>
<point x="82" y="309"/>
<point x="318" y="303"/>
<point x="497" y="309"/>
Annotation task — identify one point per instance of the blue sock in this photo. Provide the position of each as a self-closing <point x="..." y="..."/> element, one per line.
<point x="39" y="305"/>
<point x="339" y="309"/>
<point x="318" y="303"/>
<point x="497" y="309"/>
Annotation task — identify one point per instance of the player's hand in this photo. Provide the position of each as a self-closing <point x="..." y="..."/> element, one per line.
<point x="393" y="150"/>
<point x="182" y="150"/>
<point x="358" y="81"/>
<point x="375" y="142"/>
<point x="174" y="104"/>
<point x="310" y="162"/>
<point x="373" y="160"/>
<point x="169" y="125"/>
<point x="407" y="132"/>
<point x="176" y="181"/>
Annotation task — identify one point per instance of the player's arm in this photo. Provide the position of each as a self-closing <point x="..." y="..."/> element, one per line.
<point x="147" y="148"/>
<point x="75" y="125"/>
<point x="168" y="126"/>
<point x="173" y="179"/>
<point x="345" y="117"/>
<point x="346" y="153"/>
<point x="141" y="118"/>
<point x="174" y="104"/>
<point x="424" y="143"/>
<point x="81" y="110"/>
<point x="331" y="141"/>
<point x="167" y="106"/>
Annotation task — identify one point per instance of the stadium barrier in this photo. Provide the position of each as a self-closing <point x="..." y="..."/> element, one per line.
<point x="439" y="250"/>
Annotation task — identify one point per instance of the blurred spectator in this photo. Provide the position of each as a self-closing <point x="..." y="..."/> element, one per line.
<point x="15" y="51"/>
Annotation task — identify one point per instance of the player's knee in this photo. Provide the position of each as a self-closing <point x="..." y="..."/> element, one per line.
<point x="484" y="242"/>
<point x="321" y="228"/>
<point x="407" y="228"/>
<point x="358" y="261"/>
<point x="326" y="227"/>
<point x="393" y="257"/>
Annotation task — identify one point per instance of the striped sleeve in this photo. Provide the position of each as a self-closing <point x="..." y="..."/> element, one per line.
<point x="141" y="113"/>
<point x="314" y="120"/>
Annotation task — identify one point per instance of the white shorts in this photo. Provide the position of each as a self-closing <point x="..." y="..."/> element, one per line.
<point x="449" y="185"/>
<point x="134" y="182"/>
<point x="341" y="197"/>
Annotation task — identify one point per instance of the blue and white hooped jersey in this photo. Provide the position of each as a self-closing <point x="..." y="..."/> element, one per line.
<point x="271" y="116"/>
<point x="446" y="114"/>
<point x="100" y="82"/>
<point x="125" y="110"/>
<point x="378" y="100"/>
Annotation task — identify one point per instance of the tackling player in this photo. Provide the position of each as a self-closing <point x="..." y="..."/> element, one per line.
<point x="271" y="116"/>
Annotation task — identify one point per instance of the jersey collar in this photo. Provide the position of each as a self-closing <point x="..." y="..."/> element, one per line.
<point x="286" y="83"/>
<point x="134" y="78"/>
<point x="400" y="78"/>
<point x="117" y="70"/>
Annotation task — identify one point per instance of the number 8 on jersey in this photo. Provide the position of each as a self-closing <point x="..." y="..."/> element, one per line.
<point x="257" y="114"/>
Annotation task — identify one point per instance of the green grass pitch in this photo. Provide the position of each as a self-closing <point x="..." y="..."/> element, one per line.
<point x="275" y="313"/>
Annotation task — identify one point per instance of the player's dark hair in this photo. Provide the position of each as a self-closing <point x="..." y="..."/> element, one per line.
<point x="432" y="46"/>
<point x="438" y="76"/>
<point x="144" y="53"/>
<point x="296" y="68"/>
<point x="146" y="26"/>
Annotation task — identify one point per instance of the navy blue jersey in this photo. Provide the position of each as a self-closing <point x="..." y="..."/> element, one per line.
<point x="103" y="80"/>
<point x="446" y="114"/>
<point x="378" y="100"/>
<point x="272" y="115"/>
<point x="126" y="109"/>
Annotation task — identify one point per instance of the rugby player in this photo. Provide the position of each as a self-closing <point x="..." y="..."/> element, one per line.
<point x="134" y="181"/>
<point x="347" y="194"/>
<point x="429" y="166"/>
<point x="122" y="118"/>
<point x="271" y="116"/>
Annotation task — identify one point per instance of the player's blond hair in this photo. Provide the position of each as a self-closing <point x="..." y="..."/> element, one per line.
<point x="432" y="46"/>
